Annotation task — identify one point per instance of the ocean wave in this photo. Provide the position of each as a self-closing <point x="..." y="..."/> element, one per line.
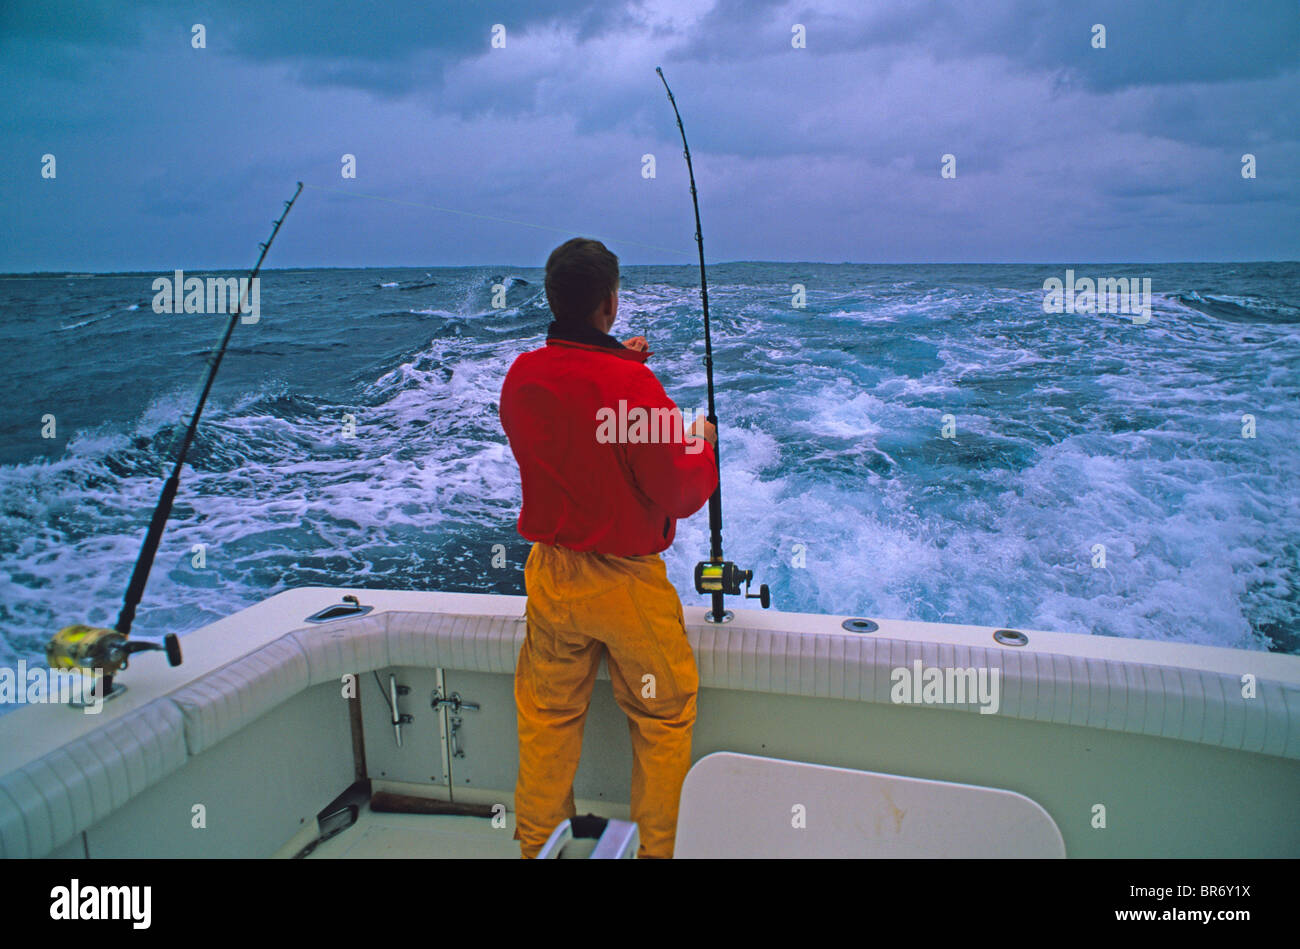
<point x="369" y="451"/>
<point x="1239" y="309"/>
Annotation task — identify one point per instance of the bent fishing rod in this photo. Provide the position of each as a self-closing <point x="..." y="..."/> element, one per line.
<point x="87" y="648"/>
<point x="715" y="577"/>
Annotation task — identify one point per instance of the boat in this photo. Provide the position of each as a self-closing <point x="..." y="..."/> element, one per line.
<point x="326" y="723"/>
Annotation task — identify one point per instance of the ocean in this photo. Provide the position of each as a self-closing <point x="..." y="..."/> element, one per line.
<point x="912" y="442"/>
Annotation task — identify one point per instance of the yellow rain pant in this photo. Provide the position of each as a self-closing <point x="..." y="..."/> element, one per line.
<point x="580" y="607"/>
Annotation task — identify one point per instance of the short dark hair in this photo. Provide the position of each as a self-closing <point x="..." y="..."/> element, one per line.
<point x="580" y="274"/>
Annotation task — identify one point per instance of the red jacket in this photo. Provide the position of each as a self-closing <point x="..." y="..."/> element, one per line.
<point x="582" y="489"/>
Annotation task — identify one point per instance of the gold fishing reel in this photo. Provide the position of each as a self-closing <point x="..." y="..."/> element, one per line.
<point x="90" y="649"/>
<point x="724" y="577"/>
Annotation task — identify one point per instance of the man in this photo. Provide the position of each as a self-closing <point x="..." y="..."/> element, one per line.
<point x="600" y="502"/>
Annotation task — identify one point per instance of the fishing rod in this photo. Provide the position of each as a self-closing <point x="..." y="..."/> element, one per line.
<point x="88" y="648"/>
<point x="715" y="577"/>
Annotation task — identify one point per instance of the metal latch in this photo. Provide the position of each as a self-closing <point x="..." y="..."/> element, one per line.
<point x="456" y="704"/>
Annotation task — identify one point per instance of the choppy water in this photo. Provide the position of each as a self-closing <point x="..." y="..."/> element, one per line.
<point x="1072" y="430"/>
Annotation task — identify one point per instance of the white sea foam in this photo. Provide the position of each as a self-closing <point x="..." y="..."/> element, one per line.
<point x="1070" y="434"/>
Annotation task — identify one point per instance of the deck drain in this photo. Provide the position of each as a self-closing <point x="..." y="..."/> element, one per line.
<point x="1011" y="637"/>
<point x="858" y="625"/>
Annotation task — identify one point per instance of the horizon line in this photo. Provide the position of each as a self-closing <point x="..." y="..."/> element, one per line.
<point x="36" y="274"/>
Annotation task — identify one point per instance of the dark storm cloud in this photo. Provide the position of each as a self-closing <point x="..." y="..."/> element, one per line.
<point x="381" y="47"/>
<point x="169" y="155"/>
<point x="1148" y="43"/>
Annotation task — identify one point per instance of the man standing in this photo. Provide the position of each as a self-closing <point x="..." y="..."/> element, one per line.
<point x="600" y="502"/>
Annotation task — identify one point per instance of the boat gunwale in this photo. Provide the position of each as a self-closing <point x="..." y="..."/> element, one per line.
<point x="247" y="664"/>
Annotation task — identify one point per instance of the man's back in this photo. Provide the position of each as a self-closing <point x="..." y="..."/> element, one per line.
<point x="582" y="488"/>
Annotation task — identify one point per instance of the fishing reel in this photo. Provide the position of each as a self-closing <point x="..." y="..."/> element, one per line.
<point x="719" y="578"/>
<point x="91" y="650"/>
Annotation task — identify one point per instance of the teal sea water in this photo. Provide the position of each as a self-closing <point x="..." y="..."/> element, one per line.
<point x="1071" y="431"/>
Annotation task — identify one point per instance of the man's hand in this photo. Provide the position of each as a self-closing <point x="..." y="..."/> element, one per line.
<point x="705" y="429"/>
<point x="638" y="343"/>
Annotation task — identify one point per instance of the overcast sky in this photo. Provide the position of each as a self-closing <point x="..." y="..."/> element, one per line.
<point x="172" y="157"/>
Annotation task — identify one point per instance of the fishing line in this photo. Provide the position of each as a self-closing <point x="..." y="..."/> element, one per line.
<point x="488" y="217"/>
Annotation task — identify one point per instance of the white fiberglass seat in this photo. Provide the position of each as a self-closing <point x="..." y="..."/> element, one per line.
<point x="736" y="805"/>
